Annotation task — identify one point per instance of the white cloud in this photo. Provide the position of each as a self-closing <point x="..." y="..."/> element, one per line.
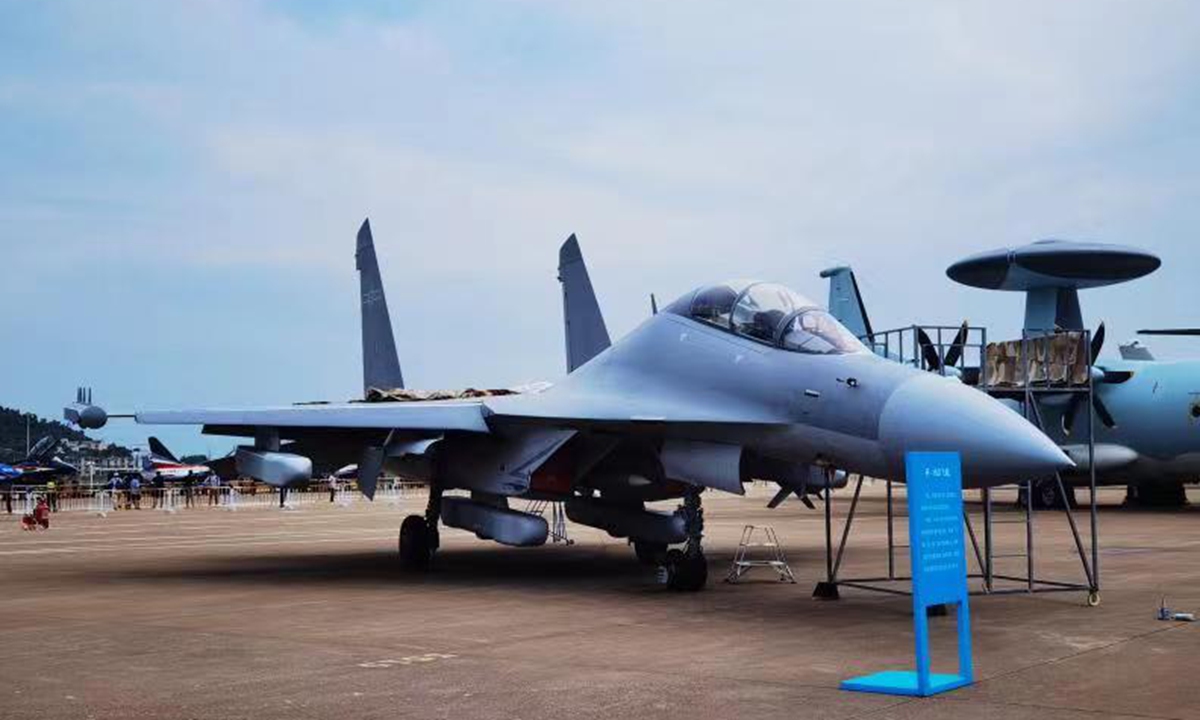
<point x="683" y="143"/>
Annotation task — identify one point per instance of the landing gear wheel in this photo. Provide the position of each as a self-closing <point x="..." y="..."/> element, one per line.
<point x="1093" y="598"/>
<point x="649" y="553"/>
<point x="686" y="572"/>
<point x="415" y="548"/>
<point x="1046" y="496"/>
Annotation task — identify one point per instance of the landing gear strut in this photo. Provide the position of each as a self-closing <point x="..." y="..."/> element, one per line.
<point x="1165" y="495"/>
<point x="687" y="569"/>
<point x="650" y="553"/>
<point x="419" y="535"/>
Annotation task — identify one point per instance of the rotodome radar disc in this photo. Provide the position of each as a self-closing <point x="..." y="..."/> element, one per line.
<point x="1053" y="264"/>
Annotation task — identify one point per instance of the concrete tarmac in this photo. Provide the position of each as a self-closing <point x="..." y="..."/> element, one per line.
<point x="265" y="613"/>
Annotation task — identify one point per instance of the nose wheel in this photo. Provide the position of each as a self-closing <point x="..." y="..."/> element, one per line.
<point x="687" y="569"/>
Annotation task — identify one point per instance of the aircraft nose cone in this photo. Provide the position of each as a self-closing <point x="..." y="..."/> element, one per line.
<point x="997" y="445"/>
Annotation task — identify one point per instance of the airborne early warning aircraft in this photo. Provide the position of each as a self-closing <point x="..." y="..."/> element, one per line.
<point x="732" y="381"/>
<point x="1147" y="430"/>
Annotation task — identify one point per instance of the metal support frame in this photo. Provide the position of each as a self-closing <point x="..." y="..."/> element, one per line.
<point x="985" y="553"/>
<point x="557" y="520"/>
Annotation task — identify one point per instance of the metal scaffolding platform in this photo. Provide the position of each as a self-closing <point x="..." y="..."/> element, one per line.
<point x="905" y="345"/>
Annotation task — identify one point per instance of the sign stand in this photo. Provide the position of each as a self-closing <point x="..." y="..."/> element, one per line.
<point x="939" y="575"/>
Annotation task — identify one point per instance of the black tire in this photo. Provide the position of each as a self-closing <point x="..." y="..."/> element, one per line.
<point x="686" y="573"/>
<point x="1046" y="496"/>
<point x="414" y="544"/>
<point x="650" y="553"/>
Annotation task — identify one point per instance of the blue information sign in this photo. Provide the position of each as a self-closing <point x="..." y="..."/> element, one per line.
<point x="939" y="573"/>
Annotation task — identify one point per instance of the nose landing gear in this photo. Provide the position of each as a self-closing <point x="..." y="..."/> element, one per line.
<point x="687" y="569"/>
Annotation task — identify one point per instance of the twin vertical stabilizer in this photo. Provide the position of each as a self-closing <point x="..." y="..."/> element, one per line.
<point x="381" y="364"/>
<point x="586" y="334"/>
<point x="845" y="302"/>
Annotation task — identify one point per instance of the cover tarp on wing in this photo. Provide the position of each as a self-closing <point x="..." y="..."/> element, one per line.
<point x="379" y="395"/>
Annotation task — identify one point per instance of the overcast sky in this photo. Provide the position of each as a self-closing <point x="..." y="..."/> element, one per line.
<point x="180" y="183"/>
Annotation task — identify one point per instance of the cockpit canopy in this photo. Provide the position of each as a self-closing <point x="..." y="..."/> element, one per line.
<point x="768" y="313"/>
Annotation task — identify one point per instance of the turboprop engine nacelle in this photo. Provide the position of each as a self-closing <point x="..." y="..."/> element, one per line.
<point x="628" y="522"/>
<point x="83" y="413"/>
<point x="88" y="417"/>
<point x="274" y="468"/>
<point x="489" y="522"/>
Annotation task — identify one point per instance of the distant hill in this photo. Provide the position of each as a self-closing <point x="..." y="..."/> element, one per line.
<point x="12" y="434"/>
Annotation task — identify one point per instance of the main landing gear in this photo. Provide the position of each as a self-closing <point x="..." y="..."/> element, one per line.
<point x="1047" y="496"/>
<point x="687" y="569"/>
<point x="419" y="535"/>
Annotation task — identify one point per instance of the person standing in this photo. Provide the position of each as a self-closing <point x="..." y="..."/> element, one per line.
<point x="135" y="492"/>
<point x="52" y="495"/>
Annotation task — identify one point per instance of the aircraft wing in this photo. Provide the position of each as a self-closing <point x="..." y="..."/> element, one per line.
<point x="570" y="409"/>
<point x="446" y="415"/>
<point x="620" y="409"/>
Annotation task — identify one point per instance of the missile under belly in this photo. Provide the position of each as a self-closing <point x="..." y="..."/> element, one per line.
<point x="629" y="522"/>
<point x="489" y="522"/>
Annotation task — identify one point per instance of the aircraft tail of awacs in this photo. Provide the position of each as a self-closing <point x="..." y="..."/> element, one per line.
<point x="734" y="381"/>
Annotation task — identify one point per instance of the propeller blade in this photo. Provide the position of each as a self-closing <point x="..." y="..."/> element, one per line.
<point x="1097" y="342"/>
<point x="1102" y="412"/>
<point x="1072" y="409"/>
<point x="932" y="360"/>
<point x="779" y="497"/>
<point x="1169" y="331"/>
<point x="956" y="346"/>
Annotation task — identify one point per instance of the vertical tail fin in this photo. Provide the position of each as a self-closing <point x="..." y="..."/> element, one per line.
<point x="381" y="364"/>
<point x="586" y="334"/>
<point x="158" y="449"/>
<point x="846" y="303"/>
<point x="42" y="449"/>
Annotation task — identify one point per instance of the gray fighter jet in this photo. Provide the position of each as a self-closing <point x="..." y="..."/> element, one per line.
<point x="732" y="381"/>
